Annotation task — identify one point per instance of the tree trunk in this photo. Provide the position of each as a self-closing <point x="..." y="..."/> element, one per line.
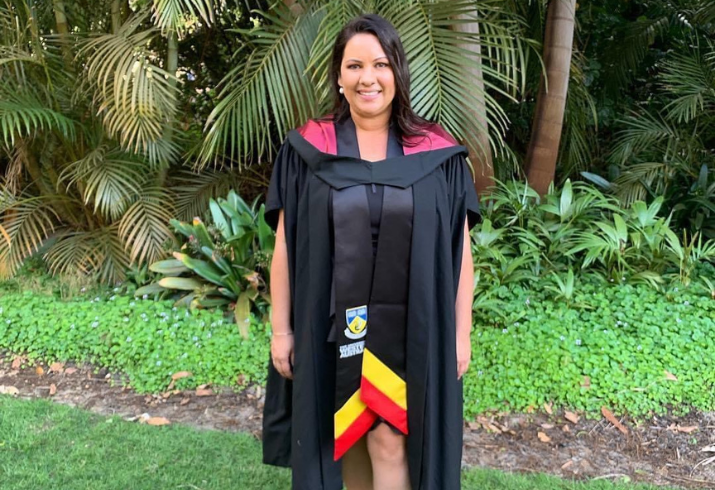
<point x="172" y="55"/>
<point x="64" y="31"/>
<point x="478" y="143"/>
<point x="549" y="114"/>
<point x="116" y="16"/>
<point x="172" y="63"/>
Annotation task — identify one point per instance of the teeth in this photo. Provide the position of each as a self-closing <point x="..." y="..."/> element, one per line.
<point x="369" y="93"/>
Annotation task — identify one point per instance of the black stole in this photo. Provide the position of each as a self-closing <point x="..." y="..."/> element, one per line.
<point x="370" y="298"/>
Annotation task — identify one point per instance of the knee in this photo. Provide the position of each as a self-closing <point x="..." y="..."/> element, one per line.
<point x="384" y="445"/>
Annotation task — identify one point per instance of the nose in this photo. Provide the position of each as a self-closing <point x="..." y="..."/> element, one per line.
<point x="367" y="77"/>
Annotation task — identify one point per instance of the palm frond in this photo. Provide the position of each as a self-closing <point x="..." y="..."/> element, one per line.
<point x="269" y="88"/>
<point x="691" y="79"/>
<point x="135" y="97"/>
<point x="630" y="46"/>
<point x="643" y="131"/>
<point x="13" y="60"/>
<point x="144" y="228"/>
<point x="28" y="222"/>
<point x="109" y="177"/>
<point x="98" y="253"/>
<point x="29" y="59"/>
<point x="704" y="13"/>
<point x="23" y="114"/>
<point x="193" y="191"/>
<point x="13" y="171"/>
<point x="636" y="183"/>
<point x="441" y="62"/>
<point x="174" y="15"/>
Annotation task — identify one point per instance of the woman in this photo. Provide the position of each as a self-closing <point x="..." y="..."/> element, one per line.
<point x="371" y="284"/>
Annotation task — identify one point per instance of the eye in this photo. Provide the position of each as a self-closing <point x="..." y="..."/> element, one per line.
<point x="353" y="66"/>
<point x="382" y="64"/>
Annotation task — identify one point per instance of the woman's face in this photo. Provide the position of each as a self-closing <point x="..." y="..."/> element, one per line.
<point x="366" y="77"/>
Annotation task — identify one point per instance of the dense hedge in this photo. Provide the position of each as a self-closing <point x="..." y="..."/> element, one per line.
<point x="146" y="340"/>
<point x="625" y="339"/>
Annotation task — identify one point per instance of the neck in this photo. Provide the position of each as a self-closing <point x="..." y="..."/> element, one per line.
<point x="373" y="124"/>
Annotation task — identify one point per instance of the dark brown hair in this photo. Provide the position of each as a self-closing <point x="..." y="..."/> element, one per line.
<point x="406" y="122"/>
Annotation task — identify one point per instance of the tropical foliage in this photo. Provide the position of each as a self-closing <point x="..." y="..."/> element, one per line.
<point x="639" y="111"/>
<point x="667" y="149"/>
<point x="222" y="264"/>
<point x="576" y="229"/>
<point x="284" y="80"/>
<point x="117" y="116"/>
<point x="94" y="163"/>
<point x="88" y="123"/>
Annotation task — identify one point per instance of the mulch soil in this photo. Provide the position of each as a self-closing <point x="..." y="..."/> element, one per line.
<point x="661" y="450"/>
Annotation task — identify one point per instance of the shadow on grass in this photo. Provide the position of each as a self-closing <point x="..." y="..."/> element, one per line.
<point x="54" y="447"/>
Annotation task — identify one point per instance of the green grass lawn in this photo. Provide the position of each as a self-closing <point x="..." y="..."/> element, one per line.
<point x="53" y="447"/>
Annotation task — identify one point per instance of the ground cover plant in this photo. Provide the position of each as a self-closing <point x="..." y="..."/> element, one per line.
<point x="49" y="446"/>
<point x="146" y="340"/>
<point x="630" y="348"/>
<point x="620" y="346"/>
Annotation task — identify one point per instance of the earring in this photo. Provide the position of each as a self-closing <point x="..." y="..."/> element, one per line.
<point x="341" y="90"/>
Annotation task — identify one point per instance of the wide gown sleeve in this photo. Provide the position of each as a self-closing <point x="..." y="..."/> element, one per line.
<point x="276" y="197"/>
<point x="463" y="196"/>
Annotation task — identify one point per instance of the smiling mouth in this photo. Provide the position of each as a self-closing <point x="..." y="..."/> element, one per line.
<point x="370" y="93"/>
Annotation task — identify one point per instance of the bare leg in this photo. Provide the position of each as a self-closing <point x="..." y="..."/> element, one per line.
<point x="389" y="459"/>
<point x="357" y="469"/>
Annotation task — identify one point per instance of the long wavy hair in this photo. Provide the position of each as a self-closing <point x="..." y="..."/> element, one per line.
<point x="403" y="118"/>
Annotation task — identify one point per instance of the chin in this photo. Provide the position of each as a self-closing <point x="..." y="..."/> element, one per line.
<point x="372" y="111"/>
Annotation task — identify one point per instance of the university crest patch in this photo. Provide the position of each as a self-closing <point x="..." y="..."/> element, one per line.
<point x="356" y="319"/>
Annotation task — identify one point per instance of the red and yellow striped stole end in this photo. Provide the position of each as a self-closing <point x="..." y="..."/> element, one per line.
<point x="352" y="421"/>
<point x="383" y="391"/>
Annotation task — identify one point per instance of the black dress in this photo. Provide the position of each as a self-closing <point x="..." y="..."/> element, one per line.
<point x="298" y="415"/>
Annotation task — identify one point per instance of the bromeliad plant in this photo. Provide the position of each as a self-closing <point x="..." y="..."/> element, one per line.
<point x="222" y="264"/>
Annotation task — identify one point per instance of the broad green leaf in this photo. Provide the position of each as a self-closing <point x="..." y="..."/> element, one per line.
<point x="219" y="219"/>
<point x="151" y="289"/>
<point x="182" y="283"/>
<point x="621" y="228"/>
<point x="204" y="269"/>
<point x="566" y="199"/>
<point x="169" y="267"/>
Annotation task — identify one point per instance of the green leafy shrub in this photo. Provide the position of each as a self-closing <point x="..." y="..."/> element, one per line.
<point x="223" y="264"/>
<point x="525" y="238"/>
<point x="611" y="346"/>
<point x="664" y="147"/>
<point x="146" y="340"/>
<point x="623" y="338"/>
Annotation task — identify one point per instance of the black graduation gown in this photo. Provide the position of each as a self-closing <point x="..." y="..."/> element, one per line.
<point x="298" y="414"/>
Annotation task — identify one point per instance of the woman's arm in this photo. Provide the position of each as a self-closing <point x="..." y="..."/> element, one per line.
<point x="282" y="341"/>
<point x="465" y="297"/>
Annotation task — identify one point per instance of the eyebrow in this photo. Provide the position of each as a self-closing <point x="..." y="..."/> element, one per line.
<point x="378" y="58"/>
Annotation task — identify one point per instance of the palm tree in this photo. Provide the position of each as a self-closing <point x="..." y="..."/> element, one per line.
<point x="545" y="139"/>
<point x="83" y="119"/>
<point x="88" y="116"/>
<point x="667" y="150"/>
<point x="284" y="80"/>
<point x="632" y="44"/>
